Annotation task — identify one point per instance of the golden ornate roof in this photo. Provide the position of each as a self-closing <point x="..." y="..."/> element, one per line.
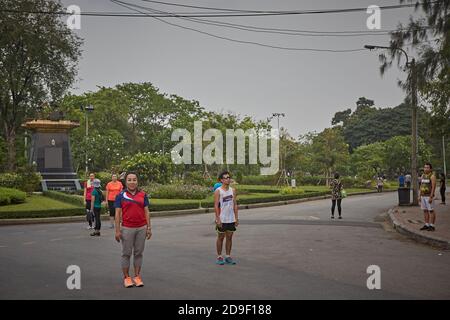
<point x="42" y="125"/>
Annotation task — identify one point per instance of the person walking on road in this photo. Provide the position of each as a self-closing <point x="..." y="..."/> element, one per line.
<point x="96" y="206"/>
<point x="336" y="195"/>
<point x="132" y="210"/>
<point x="226" y="213"/>
<point x="88" y="187"/>
<point x="113" y="188"/>
<point x="442" y="188"/>
<point x="426" y="196"/>
<point x="380" y="184"/>
<point x="408" y="180"/>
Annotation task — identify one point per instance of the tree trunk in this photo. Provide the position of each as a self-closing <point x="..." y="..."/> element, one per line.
<point x="11" y="149"/>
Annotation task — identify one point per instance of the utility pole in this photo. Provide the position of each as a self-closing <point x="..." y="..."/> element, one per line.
<point x="414" y="128"/>
<point x="414" y="145"/>
<point x="86" y="110"/>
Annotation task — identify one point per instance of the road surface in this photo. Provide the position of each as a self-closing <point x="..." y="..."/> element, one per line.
<point x="286" y="252"/>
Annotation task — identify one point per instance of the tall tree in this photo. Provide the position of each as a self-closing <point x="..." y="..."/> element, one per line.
<point x="329" y="150"/>
<point x="38" y="58"/>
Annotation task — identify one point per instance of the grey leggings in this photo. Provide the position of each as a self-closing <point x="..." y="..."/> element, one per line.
<point x="133" y="242"/>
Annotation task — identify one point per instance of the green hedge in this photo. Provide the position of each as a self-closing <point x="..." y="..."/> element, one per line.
<point x="68" y="198"/>
<point x="48" y="213"/>
<point x="259" y="180"/>
<point x="63" y="197"/>
<point x="173" y="206"/>
<point x="177" y="191"/>
<point x="263" y="198"/>
<point x="11" y="196"/>
<point x="257" y="189"/>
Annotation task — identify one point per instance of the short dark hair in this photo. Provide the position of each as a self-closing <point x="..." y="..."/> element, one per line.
<point x="131" y="172"/>
<point x="222" y="174"/>
<point x="428" y="164"/>
<point x="336" y="175"/>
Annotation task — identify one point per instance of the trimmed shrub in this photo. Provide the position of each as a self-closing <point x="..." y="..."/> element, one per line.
<point x="11" y="196"/>
<point x="177" y="191"/>
<point x="259" y="180"/>
<point x="42" y="213"/>
<point x="255" y="189"/>
<point x="173" y="206"/>
<point x="67" y="198"/>
<point x="290" y="190"/>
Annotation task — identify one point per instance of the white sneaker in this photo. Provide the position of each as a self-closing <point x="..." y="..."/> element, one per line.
<point x="88" y="228"/>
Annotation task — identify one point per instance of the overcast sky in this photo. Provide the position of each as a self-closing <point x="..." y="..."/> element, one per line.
<point x="309" y="87"/>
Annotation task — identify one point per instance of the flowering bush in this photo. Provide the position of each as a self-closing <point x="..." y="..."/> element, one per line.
<point x="290" y="190"/>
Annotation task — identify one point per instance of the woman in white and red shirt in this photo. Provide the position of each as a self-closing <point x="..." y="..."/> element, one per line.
<point x="132" y="210"/>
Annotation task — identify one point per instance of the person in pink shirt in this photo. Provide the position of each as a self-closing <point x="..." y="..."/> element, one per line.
<point x="88" y="187"/>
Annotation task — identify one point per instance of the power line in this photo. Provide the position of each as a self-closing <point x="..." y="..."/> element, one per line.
<point x="281" y="11"/>
<point x="292" y="32"/>
<point x="252" y="13"/>
<point x="239" y="41"/>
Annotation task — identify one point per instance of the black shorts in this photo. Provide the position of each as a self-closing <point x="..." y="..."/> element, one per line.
<point x="226" y="227"/>
<point x="112" y="210"/>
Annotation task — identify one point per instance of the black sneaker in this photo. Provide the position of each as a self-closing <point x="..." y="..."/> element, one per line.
<point x="425" y="228"/>
<point x="332" y="217"/>
<point x="340" y="217"/>
<point x="431" y="228"/>
<point x="96" y="233"/>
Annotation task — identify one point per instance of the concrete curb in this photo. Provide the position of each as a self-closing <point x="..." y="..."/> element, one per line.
<point x="9" y="222"/>
<point x="416" y="234"/>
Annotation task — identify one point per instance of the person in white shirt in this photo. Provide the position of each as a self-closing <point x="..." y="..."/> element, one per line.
<point x="226" y="213"/>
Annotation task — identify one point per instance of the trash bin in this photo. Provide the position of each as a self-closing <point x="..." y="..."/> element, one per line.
<point x="404" y="198"/>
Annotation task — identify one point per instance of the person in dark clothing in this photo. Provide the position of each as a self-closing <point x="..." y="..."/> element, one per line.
<point x="336" y="195"/>
<point x="442" y="188"/>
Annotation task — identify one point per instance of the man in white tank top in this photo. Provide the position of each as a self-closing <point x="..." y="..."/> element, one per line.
<point x="226" y="209"/>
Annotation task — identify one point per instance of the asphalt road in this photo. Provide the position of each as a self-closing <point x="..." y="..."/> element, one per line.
<point x="286" y="252"/>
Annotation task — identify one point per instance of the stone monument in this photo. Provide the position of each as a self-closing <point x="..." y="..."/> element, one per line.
<point x="50" y="152"/>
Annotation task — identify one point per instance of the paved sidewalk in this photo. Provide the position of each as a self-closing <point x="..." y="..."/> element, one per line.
<point x="408" y="220"/>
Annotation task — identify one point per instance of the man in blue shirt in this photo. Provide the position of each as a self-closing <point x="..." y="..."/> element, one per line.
<point x="401" y="180"/>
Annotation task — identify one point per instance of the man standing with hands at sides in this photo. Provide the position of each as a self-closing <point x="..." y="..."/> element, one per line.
<point x="426" y="197"/>
<point x="226" y="212"/>
<point x="132" y="210"/>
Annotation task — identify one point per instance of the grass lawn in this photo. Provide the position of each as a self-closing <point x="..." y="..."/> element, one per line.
<point x="36" y="202"/>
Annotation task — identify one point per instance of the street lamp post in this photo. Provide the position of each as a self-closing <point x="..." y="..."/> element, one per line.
<point x="86" y="109"/>
<point x="283" y="176"/>
<point x="414" y="128"/>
